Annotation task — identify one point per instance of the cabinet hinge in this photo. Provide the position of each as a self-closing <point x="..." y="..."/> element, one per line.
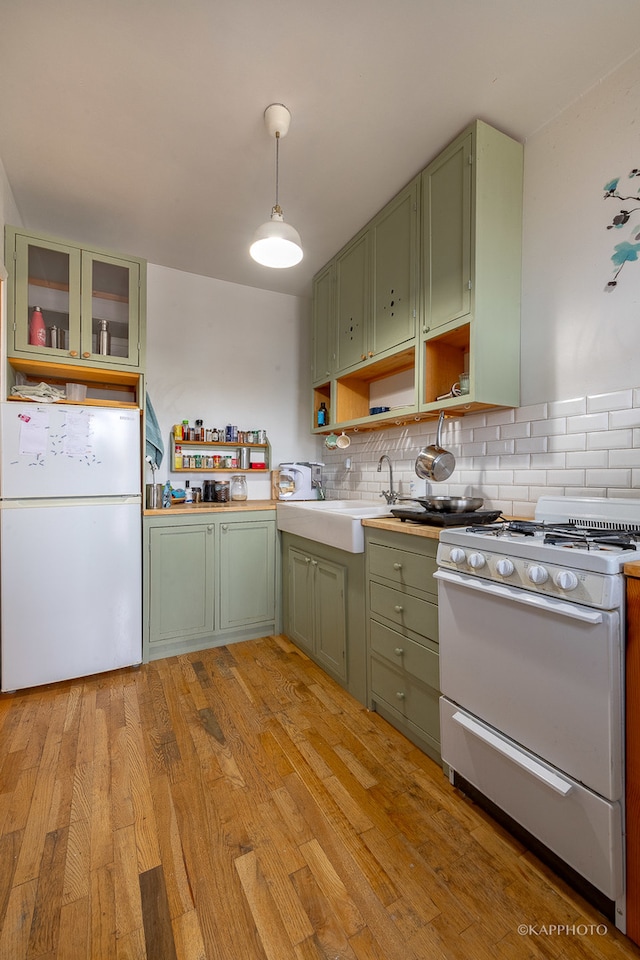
<point x="414" y="313"/>
<point x="470" y="159"/>
<point x="469" y="284"/>
<point x="15" y="254"/>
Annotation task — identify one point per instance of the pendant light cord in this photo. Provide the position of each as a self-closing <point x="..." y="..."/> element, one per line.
<point x="277" y="167"/>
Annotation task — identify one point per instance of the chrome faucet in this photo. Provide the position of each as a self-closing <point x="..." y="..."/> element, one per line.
<point x="390" y="495"/>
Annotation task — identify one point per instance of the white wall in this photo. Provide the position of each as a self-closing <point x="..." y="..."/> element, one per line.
<point x="226" y="353"/>
<point x="578" y="339"/>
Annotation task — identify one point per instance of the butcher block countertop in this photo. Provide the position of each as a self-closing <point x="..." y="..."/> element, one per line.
<point x="406" y="526"/>
<point x="188" y="509"/>
<point x="632" y="569"/>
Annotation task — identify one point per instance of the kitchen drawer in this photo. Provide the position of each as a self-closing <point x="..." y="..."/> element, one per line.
<point x="406" y="696"/>
<point x="418" y="660"/>
<point x="562" y="813"/>
<point x="404" y="568"/>
<point x="403" y="610"/>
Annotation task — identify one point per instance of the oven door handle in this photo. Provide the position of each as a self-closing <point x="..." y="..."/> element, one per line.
<point x="517" y="595"/>
<point x="550" y="779"/>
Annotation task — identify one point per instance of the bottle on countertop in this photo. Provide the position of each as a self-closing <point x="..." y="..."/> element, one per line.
<point x="188" y="495"/>
<point x="322" y="415"/>
<point x="37" y="329"/>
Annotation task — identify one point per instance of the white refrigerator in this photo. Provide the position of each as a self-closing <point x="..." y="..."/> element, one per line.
<point x="70" y="542"/>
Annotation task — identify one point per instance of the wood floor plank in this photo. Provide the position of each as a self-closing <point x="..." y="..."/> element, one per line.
<point x="266" y="916"/>
<point x="158" y="931"/>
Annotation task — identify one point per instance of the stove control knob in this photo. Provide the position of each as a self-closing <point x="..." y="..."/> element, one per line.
<point x="566" y="580"/>
<point x="457" y="555"/>
<point x="504" y="567"/>
<point x="537" y="574"/>
<point x="476" y="561"/>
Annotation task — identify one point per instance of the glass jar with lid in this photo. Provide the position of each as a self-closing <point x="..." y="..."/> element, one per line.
<point x="238" y="487"/>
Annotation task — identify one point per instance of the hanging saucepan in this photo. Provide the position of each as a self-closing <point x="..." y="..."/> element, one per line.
<point x="434" y="463"/>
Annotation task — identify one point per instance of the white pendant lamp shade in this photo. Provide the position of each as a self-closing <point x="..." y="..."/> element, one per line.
<point x="275" y="243"/>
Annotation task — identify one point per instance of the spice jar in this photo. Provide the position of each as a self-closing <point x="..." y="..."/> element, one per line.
<point x="238" y="487"/>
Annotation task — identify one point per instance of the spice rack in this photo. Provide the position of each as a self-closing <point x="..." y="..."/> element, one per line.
<point x="209" y="449"/>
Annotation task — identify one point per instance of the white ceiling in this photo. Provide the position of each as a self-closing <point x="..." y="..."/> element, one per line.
<point x="137" y="125"/>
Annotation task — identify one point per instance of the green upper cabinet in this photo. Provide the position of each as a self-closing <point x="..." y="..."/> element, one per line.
<point x="92" y="303"/>
<point x="395" y="245"/>
<point x="471" y="258"/>
<point x="446" y="235"/>
<point x="353" y="274"/>
<point x="375" y="287"/>
<point x="324" y="337"/>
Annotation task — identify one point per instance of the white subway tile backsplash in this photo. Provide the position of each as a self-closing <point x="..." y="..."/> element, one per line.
<point x="588" y="423"/>
<point x="513" y="431"/>
<point x="537" y="411"/>
<point x="585" y="446"/>
<point x="589" y="458"/>
<point x="570" y="441"/>
<point x="566" y="478"/>
<point x="532" y="445"/>
<point x="620" y="400"/>
<point x="618" y="419"/>
<point x="610" y="440"/>
<point x="567" y="408"/>
<point x="608" y="478"/>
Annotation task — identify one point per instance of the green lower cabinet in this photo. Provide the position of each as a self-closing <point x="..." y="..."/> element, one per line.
<point x="323" y="608"/>
<point x="181" y="572"/>
<point x="208" y="580"/>
<point x="402" y="635"/>
<point x="247" y="573"/>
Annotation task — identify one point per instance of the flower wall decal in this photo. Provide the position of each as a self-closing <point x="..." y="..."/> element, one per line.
<point x="627" y="250"/>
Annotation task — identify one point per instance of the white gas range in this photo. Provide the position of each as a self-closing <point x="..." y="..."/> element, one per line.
<point x="531" y="670"/>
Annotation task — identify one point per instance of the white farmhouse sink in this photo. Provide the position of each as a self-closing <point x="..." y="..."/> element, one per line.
<point x="334" y="522"/>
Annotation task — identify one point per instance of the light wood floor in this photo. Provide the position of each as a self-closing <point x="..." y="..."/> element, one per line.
<point x="235" y="804"/>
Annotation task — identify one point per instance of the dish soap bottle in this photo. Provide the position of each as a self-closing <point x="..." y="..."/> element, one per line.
<point x="37" y="330"/>
<point x="323" y="415"/>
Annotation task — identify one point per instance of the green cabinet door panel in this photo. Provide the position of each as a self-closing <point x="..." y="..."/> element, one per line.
<point x="324" y="347"/>
<point x="446" y="240"/>
<point x="395" y="243"/>
<point x="330" y="617"/>
<point x="181" y="582"/>
<point x="247" y="572"/>
<point x="300" y="612"/>
<point x="352" y="292"/>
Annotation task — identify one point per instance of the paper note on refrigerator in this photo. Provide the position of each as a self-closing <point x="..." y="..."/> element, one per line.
<point x="34" y="431"/>
<point x="77" y="437"/>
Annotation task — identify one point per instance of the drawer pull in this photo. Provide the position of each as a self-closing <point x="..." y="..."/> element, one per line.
<point x="398" y="608"/>
<point x="397" y="566"/>
<point x="398" y="651"/>
<point x="400" y="695"/>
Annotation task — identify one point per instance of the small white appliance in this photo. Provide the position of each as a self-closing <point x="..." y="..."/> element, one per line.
<point x="71" y="545"/>
<point x="300" y="481"/>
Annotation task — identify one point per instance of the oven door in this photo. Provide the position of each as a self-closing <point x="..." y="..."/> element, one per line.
<point x="545" y="673"/>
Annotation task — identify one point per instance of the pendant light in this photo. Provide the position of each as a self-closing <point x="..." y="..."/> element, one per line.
<point x="276" y="243"/>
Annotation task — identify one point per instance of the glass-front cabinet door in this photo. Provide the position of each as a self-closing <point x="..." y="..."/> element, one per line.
<point x="110" y="321"/>
<point x="74" y="305"/>
<point x="47" y="298"/>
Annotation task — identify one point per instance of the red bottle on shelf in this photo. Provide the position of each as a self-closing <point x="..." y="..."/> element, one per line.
<point x="37" y="329"/>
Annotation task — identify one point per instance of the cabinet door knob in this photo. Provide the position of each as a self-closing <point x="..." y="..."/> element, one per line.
<point x="307" y="559"/>
<point x="209" y="528"/>
<point x="314" y="563"/>
<point x="86" y="355"/>
<point x="400" y="695"/>
<point x="370" y="353"/>
<point x="398" y="651"/>
<point x="397" y="566"/>
<point x="398" y="608"/>
<point x="73" y="353"/>
<point x="363" y="356"/>
<point x="225" y="527"/>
